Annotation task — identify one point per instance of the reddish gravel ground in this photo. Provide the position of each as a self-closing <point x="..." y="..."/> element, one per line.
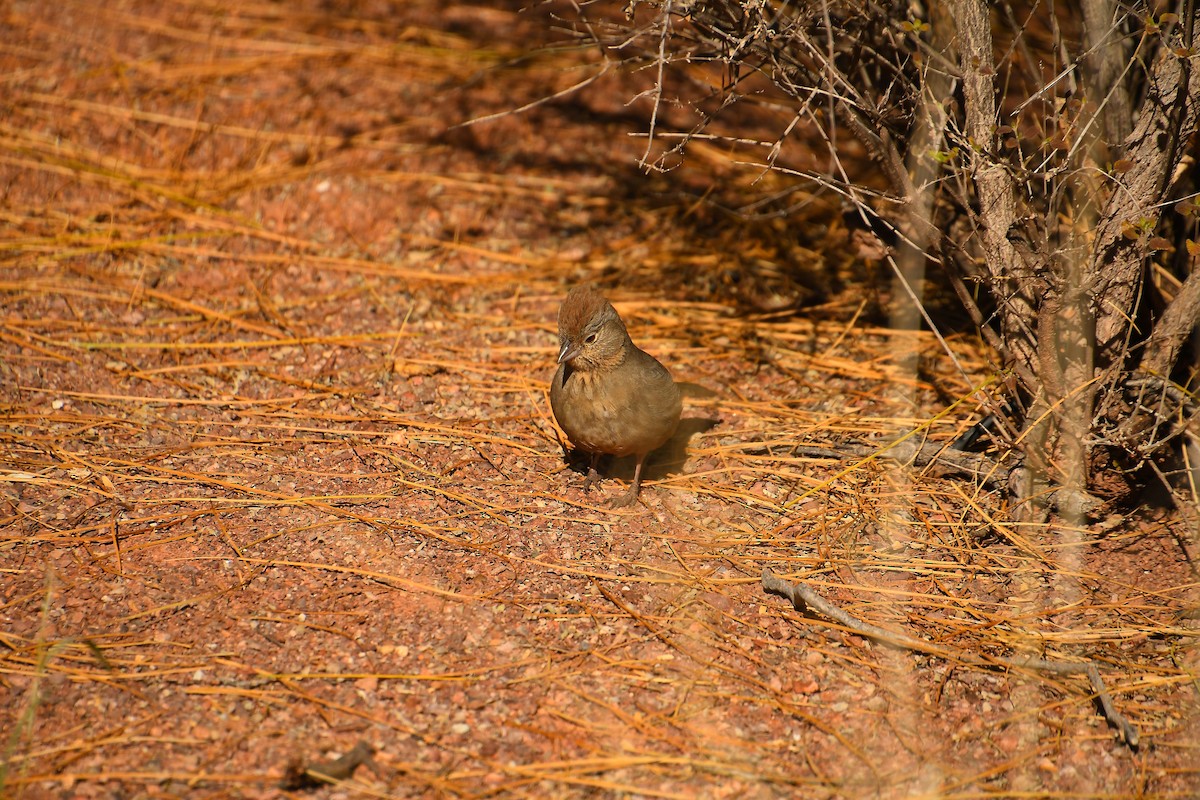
<point x="279" y="474"/>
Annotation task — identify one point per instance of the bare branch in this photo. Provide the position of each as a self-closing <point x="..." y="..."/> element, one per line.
<point x="1169" y="114"/>
<point x="994" y="184"/>
<point x="803" y="598"/>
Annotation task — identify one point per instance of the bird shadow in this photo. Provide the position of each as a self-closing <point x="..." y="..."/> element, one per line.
<point x="670" y="458"/>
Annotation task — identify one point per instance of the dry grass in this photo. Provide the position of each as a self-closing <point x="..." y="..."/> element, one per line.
<point x="279" y="472"/>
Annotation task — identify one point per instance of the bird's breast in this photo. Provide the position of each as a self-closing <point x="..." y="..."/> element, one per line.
<point x="620" y="411"/>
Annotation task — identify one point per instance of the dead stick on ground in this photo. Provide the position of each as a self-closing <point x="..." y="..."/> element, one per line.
<point x="299" y="775"/>
<point x="804" y="598"/>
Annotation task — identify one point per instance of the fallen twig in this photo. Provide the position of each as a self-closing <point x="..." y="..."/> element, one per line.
<point x="301" y="775"/>
<point x="987" y="471"/>
<point x="803" y="598"/>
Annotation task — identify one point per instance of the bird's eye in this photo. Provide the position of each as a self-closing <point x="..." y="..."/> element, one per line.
<point x="591" y="337"/>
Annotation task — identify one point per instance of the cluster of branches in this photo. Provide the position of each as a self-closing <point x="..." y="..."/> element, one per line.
<point x="1041" y="157"/>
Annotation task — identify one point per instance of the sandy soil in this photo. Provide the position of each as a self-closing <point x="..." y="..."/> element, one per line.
<point x="279" y="474"/>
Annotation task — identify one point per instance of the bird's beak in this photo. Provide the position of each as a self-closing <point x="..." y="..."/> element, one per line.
<point x="568" y="352"/>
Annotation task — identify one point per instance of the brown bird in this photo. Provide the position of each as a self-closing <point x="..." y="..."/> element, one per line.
<point x="609" y="395"/>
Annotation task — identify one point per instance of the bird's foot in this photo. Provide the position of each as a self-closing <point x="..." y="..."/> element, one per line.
<point x="591" y="480"/>
<point x="626" y="500"/>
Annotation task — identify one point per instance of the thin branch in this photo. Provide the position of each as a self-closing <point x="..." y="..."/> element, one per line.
<point x="664" y="35"/>
<point x="541" y="101"/>
<point x="803" y="598"/>
<point x="1153" y="151"/>
<point x="1174" y="327"/>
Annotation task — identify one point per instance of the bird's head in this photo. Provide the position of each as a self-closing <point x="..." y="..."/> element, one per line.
<point x="591" y="334"/>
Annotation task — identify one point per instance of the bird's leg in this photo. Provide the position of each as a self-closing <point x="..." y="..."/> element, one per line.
<point x="593" y="477"/>
<point x="630" y="497"/>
